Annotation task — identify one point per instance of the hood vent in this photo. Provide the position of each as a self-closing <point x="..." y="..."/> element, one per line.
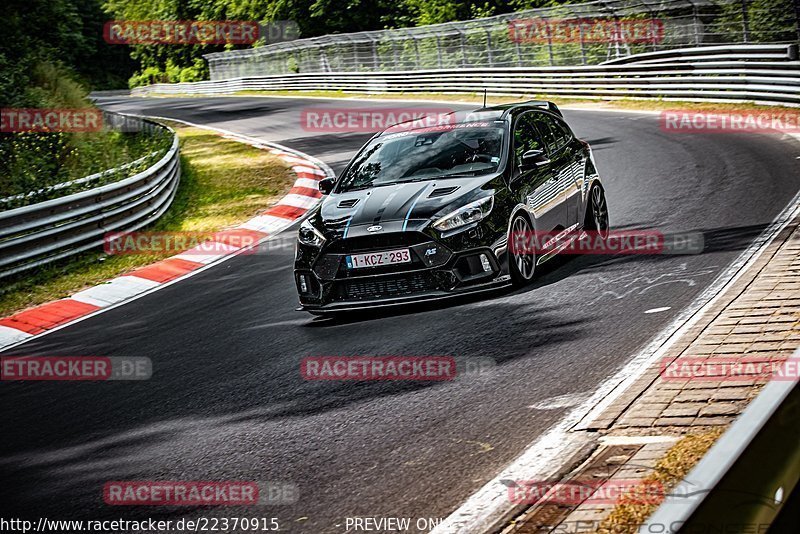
<point x="348" y="203"/>
<point x="443" y="191"/>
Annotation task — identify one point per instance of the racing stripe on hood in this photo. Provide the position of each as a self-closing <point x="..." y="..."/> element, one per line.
<point x="388" y="203"/>
<point x="422" y="192"/>
<point x="382" y="209"/>
<point x="353" y="216"/>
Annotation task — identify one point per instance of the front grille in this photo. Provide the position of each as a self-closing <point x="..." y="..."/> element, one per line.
<point x="385" y="287"/>
<point x="427" y="255"/>
<point x="377" y="242"/>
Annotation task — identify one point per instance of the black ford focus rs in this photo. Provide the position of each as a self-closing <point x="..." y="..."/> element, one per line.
<point x="428" y="211"/>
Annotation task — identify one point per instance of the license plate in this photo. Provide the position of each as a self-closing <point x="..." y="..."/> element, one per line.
<point x="376" y="259"/>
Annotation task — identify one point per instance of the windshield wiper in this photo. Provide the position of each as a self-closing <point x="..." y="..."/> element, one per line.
<point x="459" y="175"/>
<point x="421" y="179"/>
<point x="358" y="187"/>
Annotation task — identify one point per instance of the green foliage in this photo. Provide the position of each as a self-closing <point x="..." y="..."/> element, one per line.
<point x="59" y="32"/>
<point x="47" y="67"/>
<point x="33" y="162"/>
<point x="768" y="21"/>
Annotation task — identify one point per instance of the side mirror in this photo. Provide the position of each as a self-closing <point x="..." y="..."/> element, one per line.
<point x="326" y="185"/>
<point x="532" y="159"/>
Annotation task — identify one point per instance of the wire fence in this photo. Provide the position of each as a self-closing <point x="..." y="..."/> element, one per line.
<point x="572" y="34"/>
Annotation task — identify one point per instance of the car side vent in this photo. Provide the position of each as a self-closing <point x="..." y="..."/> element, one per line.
<point x="349" y="202"/>
<point x="443" y="191"/>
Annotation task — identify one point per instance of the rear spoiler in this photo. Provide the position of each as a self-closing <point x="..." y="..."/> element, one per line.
<point x="549" y="106"/>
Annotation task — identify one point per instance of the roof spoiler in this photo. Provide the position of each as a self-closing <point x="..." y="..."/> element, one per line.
<point x="549" y="106"/>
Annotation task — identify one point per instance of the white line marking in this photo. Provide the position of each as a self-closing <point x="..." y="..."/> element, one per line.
<point x="267" y="223"/>
<point x="561" y="401"/>
<point x="298" y="201"/>
<point x="308" y="170"/>
<point x="636" y="440"/>
<point x="9" y="336"/>
<point x="306" y="182"/>
<point x="115" y="290"/>
<point x="206" y="253"/>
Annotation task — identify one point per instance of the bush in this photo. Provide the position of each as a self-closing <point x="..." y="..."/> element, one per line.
<point x="32" y="161"/>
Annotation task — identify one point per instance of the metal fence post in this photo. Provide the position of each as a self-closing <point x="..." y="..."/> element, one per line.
<point x="695" y="22"/>
<point x="375" y="62"/>
<point x="489" y="48"/>
<point x="797" y="17"/>
<point x="394" y="54"/>
<point x="549" y="39"/>
<point x="579" y="19"/>
<point x="462" y="38"/>
<point x="745" y="23"/>
<point x="416" y="47"/>
<point x="438" y="52"/>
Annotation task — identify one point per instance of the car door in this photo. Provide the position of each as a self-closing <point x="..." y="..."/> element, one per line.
<point x="575" y="155"/>
<point x="561" y="167"/>
<point x="534" y="187"/>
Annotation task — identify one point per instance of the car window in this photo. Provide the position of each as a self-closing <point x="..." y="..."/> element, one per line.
<point x="526" y="137"/>
<point x="563" y="133"/>
<point x="431" y="153"/>
<point x="547" y="132"/>
<point x="555" y="133"/>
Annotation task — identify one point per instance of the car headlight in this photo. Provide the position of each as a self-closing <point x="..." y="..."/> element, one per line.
<point x="308" y="235"/>
<point x="472" y="212"/>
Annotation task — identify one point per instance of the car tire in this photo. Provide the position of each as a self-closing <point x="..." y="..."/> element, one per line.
<point x="521" y="257"/>
<point x="596" y="219"/>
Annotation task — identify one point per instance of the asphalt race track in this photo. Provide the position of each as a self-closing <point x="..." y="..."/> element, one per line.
<point x="227" y="401"/>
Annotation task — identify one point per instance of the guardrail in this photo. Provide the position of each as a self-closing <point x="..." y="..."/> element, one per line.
<point x="760" y="73"/>
<point x="744" y="482"/>
<point x="37" y="234"/>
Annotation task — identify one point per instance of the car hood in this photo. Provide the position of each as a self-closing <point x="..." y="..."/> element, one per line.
<point x="397" y="207"/>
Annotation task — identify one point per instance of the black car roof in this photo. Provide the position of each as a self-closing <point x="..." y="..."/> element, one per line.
<point x="527" y="105"/>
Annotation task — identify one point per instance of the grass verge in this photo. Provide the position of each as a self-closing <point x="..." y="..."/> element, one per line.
<point x="668" y="472"/>
<point x="223" y="183"/>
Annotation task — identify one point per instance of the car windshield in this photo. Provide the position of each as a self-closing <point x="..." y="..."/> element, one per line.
<point x="464" y="149"/>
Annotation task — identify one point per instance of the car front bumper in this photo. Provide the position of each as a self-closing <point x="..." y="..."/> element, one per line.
<point x="438" y="270"/>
